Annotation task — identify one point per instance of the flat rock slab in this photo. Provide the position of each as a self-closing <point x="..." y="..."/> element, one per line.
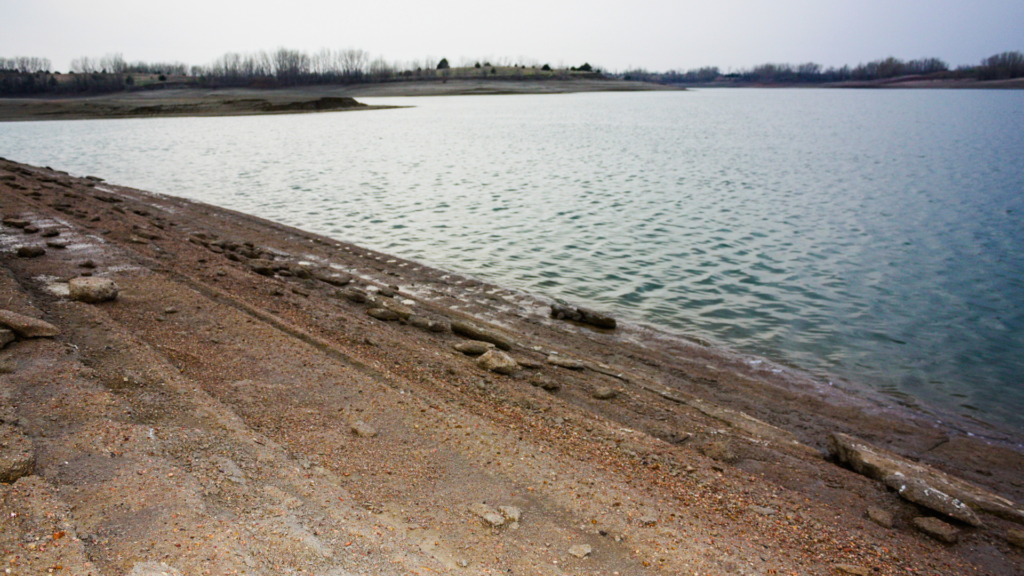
<point x="475" y="333"/>
<point x="937" y="529"/>
<point x="26" y="326"/>
<point x="383" y="314"/>
<point x="17" y="458"/>
<point x="401" y="310"/>
<point x="474" y="348"/>
<point x="563" y="362"/>
<point x="92" y="290"/>
<point x="333" y="279"/>
<point x="497" y="361"/>
<point x="940" y="488"/>
<point x="436" y="325"/>
<point x="919" y="492"/>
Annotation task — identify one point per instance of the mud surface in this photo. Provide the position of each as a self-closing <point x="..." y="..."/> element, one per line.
<point x="237" y="410"/>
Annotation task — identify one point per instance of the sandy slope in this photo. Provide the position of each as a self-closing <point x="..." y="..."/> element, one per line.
<point x="207" y="418"/>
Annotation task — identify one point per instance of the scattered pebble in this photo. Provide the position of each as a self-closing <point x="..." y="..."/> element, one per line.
<point x="1015" y="537"/>
<point x="881" y="517"/>
<point x="580" y="550"/>
<point x="497" y="361"/>
<point x="937" y="529"/>
<point x="92" y="290"/>
<point x="363" y="430"/>
<point x="31" y="251"/>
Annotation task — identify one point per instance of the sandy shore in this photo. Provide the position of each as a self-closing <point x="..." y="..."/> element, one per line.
<point x="237" y="409"/>
<point x="172" y="102"/>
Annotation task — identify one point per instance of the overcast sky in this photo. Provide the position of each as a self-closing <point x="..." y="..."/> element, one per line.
<point x="654" y="34"/>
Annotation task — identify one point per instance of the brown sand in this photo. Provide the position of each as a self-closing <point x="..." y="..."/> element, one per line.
<point x="204" y="421"/>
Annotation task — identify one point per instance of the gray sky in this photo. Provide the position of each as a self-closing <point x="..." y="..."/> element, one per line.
<point x="654" y="34"/>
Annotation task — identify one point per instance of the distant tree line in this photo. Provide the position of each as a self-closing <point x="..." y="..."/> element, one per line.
<point x="286" y="67"/>
<point x="1001" y="66"/>
<point x="24" y="64"/>
<point x="282" y="67"/>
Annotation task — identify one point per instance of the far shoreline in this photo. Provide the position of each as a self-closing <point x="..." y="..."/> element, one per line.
<point x="195" y="102"/>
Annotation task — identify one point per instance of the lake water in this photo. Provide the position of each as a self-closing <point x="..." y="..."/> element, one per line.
<point x="874" y="236"/>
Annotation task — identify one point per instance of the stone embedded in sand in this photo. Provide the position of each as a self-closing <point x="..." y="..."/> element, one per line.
<point x="604" y="393"/>
<point x="15" y="222"/>
<point x="473" y="348"/>
<point x="881" y="517"/>
<point x="937" y="529"/>
<point x="497" y="361"/>
<point x="580" y="550"/>
<point x="6" y="337"/>
<point x="511" y="513"/>
<point x="382" y="314"/>
<point x="436" y="325"/>
<point x="153" y="569"/>
<point x="31" y="251"/>
<point x="92" y="290"/>
<point x="851" y="569"/>
<point x="50" y="233"/>
<point x="880" y="464"/>
<point x="648" y="520"/>
<point x="30" y="229"/>
<point x="262" y="267"/>
<point x="1015" y="537"/>
<point x="544" y="383"/>
<point x="27" y="327"/>
<point x="363" y="430"/>
<point x="17" y="458"/>
<point x="489" y="515"/>
<point x="563" y="362"/>
<point x="354" y="295"/>
<point x="404" y="312"/>
<point x="58" y="244"/>
<point x="475" y="333"/>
